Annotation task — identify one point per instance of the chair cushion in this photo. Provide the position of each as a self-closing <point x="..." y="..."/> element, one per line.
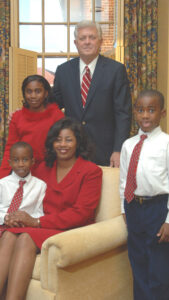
<point x="109" y="206"/>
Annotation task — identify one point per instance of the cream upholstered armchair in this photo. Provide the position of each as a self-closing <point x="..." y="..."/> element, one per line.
<point x="90" y="262"/>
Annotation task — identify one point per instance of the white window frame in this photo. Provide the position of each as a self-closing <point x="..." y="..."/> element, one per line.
<point x="118" y="51"/>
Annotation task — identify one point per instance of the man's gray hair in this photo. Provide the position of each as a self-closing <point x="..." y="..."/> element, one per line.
<point x="84" y="24"/>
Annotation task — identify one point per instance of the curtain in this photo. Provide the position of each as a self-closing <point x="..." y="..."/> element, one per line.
<point x="4" y="70"/>
<point x="140" y="36"/>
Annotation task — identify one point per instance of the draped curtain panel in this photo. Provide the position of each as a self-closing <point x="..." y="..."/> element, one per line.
<point x="140" y="51"/>
<point x="4" y="70"/>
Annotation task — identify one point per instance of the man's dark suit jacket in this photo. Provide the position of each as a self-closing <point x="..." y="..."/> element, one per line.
<point x="107" y="113"/>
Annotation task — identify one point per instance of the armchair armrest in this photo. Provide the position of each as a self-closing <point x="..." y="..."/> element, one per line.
<point x="76" y="245"/>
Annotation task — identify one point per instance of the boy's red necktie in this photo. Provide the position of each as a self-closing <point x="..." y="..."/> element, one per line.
<point x="85" y="85"/>
<point x="15" y="203"/>
<point x="131" y="184"/>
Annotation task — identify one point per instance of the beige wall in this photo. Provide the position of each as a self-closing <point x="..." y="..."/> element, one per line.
<point x="163" y="56"/>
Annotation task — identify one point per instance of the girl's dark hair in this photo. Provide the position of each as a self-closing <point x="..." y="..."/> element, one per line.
<point x="45" y="84"/>
<point x="84" y="146"/>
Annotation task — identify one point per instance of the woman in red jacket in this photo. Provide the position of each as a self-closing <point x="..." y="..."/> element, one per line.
<point x="73" y="193"/>
<point x="31" y="124"/>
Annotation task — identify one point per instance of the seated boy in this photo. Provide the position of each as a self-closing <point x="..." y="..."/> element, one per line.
<point x="20" y="190"/>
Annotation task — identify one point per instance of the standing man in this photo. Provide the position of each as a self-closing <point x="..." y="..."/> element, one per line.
<point x="98" y="97"/>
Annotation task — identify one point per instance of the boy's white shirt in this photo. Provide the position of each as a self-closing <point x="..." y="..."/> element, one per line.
<point x="155" y="156"/>
<point x="33" y="194"/>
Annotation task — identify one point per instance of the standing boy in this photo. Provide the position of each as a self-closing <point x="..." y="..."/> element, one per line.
<point x="144" y="189"/>
<point x="20" y="186"/>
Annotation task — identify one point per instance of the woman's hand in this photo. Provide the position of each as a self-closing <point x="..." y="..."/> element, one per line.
<point x="20" y="219"/>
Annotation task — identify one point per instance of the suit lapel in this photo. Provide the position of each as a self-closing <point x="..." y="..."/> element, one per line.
<point x="75" y="78"/>
<point x="69" y="179"/>
<point x="96" y="80"/>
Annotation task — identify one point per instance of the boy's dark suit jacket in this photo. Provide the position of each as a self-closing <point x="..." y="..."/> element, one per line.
<point x="107" y="114"/>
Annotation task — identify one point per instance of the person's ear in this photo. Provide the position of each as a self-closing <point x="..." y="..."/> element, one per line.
<point x="9" y="161"/>
<point x="134" y="111"/>
<point x="46" y="94"/>
<point x="33" y="160"/>
<point x="75" y="42"/>
<point x="163" y="113"/>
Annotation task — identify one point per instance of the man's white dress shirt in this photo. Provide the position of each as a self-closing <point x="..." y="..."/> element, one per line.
<point x="152" y="175"/>
<point x="33" y="194"/>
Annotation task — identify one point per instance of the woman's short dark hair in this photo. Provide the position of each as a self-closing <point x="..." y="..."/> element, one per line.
<point x="45" y="84"/>
<point x="84" y="146"/>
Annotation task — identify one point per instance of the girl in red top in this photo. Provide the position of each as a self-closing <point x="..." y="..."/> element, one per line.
<point x="31" y="124"/>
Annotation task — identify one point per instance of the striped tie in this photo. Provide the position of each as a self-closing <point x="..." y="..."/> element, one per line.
<point x="15" y="203"/>
<point x="131" y="183"/>
<point x="85" y="85"/>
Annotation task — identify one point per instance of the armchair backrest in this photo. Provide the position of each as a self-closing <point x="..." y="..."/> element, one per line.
<point x="109" y="205"/>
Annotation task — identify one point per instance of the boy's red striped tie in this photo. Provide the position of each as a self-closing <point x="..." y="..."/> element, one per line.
<point x="131" y="184"/>
<point x="15" y="203"/>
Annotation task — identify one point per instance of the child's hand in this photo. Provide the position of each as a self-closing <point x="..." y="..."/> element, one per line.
<point x="10" y="222"/>
<point x="163" y="233"/>
<point x="20" y="219"/>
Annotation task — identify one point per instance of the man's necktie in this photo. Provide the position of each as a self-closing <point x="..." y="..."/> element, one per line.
<point x="85" y="85"/>
<point x="15" y="203"/>
<point x="131" y="184"/>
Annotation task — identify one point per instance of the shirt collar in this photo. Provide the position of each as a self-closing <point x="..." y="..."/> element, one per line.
<point x="151" y="133"/>
<point x="91" y="66"/>
<point x="18" y="178"/>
